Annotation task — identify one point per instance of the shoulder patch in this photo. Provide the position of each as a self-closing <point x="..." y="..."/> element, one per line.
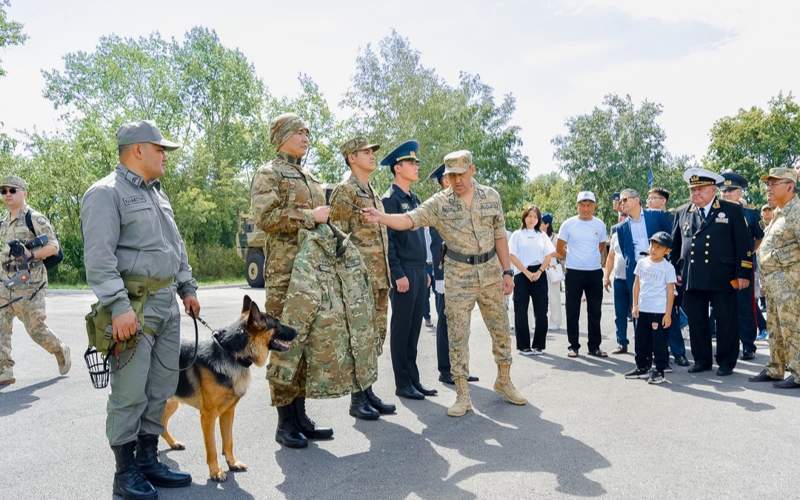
<point x="137" y="199"/>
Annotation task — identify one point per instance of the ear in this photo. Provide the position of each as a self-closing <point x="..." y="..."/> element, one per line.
<point x="246" y="304"/>
<point x="254" y="317"/>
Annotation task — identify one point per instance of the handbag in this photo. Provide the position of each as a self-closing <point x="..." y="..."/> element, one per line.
<point x="555" y="274"/>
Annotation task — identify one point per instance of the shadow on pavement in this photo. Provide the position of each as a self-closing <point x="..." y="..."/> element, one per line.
<point x="202" y="486"/>
<point x="22" y="398"/>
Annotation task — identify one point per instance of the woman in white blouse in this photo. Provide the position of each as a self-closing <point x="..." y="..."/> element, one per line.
<point x="531" y="252"/>
<point x="553" y="287"/>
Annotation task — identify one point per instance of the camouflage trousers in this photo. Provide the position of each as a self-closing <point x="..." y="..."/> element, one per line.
<point x="381" y="297"/>
<point x="783" y="323"/>
<point x="283" y="394"/>
<point x="33" y="316"/>
<point x="460" y="301"/>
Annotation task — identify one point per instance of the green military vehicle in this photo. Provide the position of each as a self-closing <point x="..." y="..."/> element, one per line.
<point x="250" y="245"/>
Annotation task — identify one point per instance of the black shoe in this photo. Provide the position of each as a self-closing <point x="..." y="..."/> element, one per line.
<point x="748" y="355"/>
<point x="789" y="383"/>
<point x="378" y="404"/>
<point x="423" y="390"/>
<point x="157" y="473"/>
<point x="129" y="482"/>
<point x="695" y="368"/>
<point x="360" y="407"/>
<point x="288" y="433"/>
<point x="597" y="353"/>
<point x="307" y="426"/>
<point x="763" y="376"/>
<point x="724" y="372"/>
<point x="409" y="392"/>
<point x="446" y="378"/>
<point x="681" y="361"/>
<point x="472" y="378"/>
<point x="638" y="373"/>
<point x="621" y="349"/>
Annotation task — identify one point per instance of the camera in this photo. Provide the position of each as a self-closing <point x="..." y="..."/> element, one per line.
<point x="22" y="276"/>
<point x="17" y="247"/>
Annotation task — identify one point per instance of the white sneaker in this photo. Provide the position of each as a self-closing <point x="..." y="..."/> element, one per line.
<point x="525" y="352"/>
<point x="536" y="352"/>
<point x="7" y="377"/>
<point x="64" y="360"/>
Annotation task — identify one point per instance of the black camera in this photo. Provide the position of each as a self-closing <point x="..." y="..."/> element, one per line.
<point x="17" y="247"/>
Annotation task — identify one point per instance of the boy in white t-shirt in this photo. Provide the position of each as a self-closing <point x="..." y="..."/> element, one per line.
<point x="653" y="295"/>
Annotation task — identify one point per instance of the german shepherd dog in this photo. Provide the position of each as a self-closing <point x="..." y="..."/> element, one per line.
<point x="220" y="377"/>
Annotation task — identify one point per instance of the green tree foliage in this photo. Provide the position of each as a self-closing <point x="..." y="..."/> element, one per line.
<point x="755" y="140"/>
<point x="10" y="31"/>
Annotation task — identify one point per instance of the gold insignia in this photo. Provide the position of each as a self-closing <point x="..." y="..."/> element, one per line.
<point x="694" y="178"/>
<point x="412" y="154"/>
<point x="746" y="264"/>
<point x="728" y="182"/>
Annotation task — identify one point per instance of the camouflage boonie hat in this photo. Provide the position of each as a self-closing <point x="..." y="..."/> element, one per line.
<point x="283" y="127"/>
<point x="15" y="181"/>
<point x="359" y="143"/>
<point x="457" y="162"/>
<point x="788" y="174"/>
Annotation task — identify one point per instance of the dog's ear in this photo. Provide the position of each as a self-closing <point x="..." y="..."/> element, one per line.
<point x="254" y="317"/>
<point x="246" y="304"/>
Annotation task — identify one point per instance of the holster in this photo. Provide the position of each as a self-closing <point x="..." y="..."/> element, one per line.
<point x="98" y="321"/>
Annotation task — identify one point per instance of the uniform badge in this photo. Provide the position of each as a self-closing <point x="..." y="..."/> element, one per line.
<point x="404" y="206"/>
<point x="722" y="218"/>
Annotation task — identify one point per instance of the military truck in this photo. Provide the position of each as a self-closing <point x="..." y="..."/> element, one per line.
<point x="250" y="245"/>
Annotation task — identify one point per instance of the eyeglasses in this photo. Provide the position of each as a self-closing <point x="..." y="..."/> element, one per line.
<point x="5" y="191"/>
<point x="771" y="184"/>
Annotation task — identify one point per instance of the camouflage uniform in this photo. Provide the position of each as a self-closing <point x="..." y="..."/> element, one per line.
<point x="283" y="196"/>
<point x="30" y="311"/>
<point x="778" y="259"/>
<point x="371" y="240"/>
<point x="329" y="303"/>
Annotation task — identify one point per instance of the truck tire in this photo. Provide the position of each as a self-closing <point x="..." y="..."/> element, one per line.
<point x="254" y="268"/>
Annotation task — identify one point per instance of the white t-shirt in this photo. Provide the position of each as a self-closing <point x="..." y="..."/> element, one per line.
<point x="583" y="238"/>
<point x="641" y="243"/>
<point x="619" y="259"/>
<point x="530" y="247"/>
<point x="653" y="279"/>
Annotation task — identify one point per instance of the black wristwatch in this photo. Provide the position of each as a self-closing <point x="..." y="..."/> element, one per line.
<point x="508" y="272"/>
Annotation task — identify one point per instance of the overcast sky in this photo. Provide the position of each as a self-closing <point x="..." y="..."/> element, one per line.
<point x="700" y="59"/>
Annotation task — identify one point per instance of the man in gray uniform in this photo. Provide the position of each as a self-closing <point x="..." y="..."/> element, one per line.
<point x="131" y="242"/>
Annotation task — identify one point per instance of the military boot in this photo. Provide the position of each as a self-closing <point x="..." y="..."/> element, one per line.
<point x="360" y="407"/>
<point x="463" y="403"/>
<point x="156" y="472"/>
<point x="378" y="404"/>
<point x="288" y="433"/>
<point x="307" y="426"/>
<point x="64" y="360"/>
<point x="504" y="387"/>
<point x="129" y="482"/>
<point x="7" y="377"/>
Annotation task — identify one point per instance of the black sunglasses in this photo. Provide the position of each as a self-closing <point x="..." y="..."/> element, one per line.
<point x="5" y="191"/>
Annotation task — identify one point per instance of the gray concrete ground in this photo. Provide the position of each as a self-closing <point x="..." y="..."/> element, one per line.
<point x="587" y="432"/>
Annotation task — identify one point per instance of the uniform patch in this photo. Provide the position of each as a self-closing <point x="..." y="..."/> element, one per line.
<point x="353" y="263"/>
<point x="137" y="199"/>
<point x="451" y="210"/>
<point x="405" y="206"/>
<point x="291" y="174"/>
<point x="490" y="205"/>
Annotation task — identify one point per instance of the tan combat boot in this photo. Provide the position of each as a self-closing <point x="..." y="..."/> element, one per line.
<point x="504" y="387"/>
<point x="64" y="360"/>
<point x="7" y="377"/>
<point x="463" y="403"/>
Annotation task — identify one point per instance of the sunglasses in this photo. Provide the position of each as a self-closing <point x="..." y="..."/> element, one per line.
<point x="5" y="191"/>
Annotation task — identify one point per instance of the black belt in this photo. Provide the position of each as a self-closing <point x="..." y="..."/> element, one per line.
<point x="470" y="259"/>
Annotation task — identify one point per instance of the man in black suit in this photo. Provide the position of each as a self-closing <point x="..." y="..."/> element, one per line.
<point x="713" y="261"/>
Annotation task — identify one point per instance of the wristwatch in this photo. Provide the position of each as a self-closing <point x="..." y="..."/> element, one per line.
<point x="508" y="272"/>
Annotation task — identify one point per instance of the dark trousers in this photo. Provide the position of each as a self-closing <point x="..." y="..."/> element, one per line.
<point x="442" y="344"/>
<point x="622" y="309"/>
<point x="746" y="312"/>
<point x="651" y="343"/>
<point x="426" y="312"/>
<point x="576" y="284"/>
<point x="695" y="304"/>
<point x="676" y="344"/>
<point x="404" y="327"/>
<point x="526" y="290"/>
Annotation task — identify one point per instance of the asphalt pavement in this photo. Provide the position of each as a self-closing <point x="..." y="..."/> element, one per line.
<point x="587" y="431"/>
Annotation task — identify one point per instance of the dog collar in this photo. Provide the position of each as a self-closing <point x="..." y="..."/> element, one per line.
<point x="246" y="362"/>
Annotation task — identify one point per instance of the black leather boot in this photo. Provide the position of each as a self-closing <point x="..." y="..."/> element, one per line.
<point x="156" y="472"/>
<point x="308" y="426"/>
<point x="378" y="404"/>
<point x="360" y="407"/>
<point x="424" y="390"/>
<point x="288" y="433"/>
<point x="129" y="483"/>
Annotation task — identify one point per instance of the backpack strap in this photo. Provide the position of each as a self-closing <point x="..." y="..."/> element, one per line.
<point x="29" y="222"/>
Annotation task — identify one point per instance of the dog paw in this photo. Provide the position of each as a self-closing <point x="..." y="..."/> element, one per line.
<point x="177" y="445"/>
<point x="237" y="466"/>
<point x="219" y="476"/>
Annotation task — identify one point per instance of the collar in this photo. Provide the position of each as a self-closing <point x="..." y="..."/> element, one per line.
<point x="292" y="160"/>
<point x="397" y="189"/>
<point x="364" y="186"/>
<point x="22" y="211"/>
<point x="135" y="178"/>
<point x="246" y="362"/>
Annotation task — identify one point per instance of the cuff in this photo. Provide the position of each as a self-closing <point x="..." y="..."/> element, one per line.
<point x="308" y="218"/>
<point x="120" y="306"/>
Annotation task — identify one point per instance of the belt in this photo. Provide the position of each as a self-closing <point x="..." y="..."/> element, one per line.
<point x="143" y="286"/>
<point x="470" y="259"/>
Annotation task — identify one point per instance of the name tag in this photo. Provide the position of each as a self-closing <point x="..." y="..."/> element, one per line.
<point x="405" y="206"/>
<point x="291" y="174"/>
<point x="350" y="263"/>
<point x="451" y="209"/>
<point x="490" y="205"/>
<point x="137" y="199"/>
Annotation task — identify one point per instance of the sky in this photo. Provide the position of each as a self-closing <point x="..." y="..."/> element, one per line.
<point x="701" y="60"/>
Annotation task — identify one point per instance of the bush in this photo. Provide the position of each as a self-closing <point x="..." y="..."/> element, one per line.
<point x="215" y="262"/>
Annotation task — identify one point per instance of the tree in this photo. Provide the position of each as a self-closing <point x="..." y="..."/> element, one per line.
<point x="754" y="140"/>
<point x="612" y="148"/>
<point x="10" y="31"/>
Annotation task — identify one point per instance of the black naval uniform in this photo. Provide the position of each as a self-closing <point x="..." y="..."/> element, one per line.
<point x="745" y="299"/>
<point x="709" y="253"/>
<point x="442" y="344"/>
<point x="407" y="258"/>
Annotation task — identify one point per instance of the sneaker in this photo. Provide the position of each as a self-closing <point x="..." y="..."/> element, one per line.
<point x="7" y="377"/>
<point x="525" y="352"/>
<point x="637" y="373"/>
<point x="597" y="353"/>
<point x="64" y="360"/>
<point x="537" y="352"/>
<point x="621" y="349"/>
<point x="763" y="335"/>
<point x="656" y="378"/>
<point x="668" y="369"/>
<point x="681" y="361"/>
<point x="572" y="353"/>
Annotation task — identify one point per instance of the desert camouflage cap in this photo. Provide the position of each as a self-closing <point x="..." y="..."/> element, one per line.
<point x="283" y="126"/>
<point x="143" y="131"/>
<point x="358" y="143"/>
<point x="15" y="182"/>
<point x="788" y="174"/>
<point x="457" y="162"/>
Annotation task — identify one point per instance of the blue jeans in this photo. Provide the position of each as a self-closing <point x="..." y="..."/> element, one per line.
<point x="622" y="308"/>
<point x="676" y="344"/>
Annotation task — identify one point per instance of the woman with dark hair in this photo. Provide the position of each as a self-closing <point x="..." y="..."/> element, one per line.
<point x="531" y="252"/>
<point x="555" y="276"/>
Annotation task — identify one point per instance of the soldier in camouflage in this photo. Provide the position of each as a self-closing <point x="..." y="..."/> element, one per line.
<point x="469" y="217"/>
<point x="779" y="258"/>
<point x="285" y="198"/>
<point x="347" y="200"/>
<point x="25" y="300"/>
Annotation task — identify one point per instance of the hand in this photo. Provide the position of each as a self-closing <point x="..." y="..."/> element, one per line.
<point x="401" y="285"/>
<point x="508" y="284"/>
<point x="607" y="284"/>
<point x="743" y="283"/>
<point x="191" y="305"/>
<point x="371" y="215"/>
<point x="321" y="214"/>
<point x="124" y="326"/>
<point x="535" y="276"/>
<point x="679" y="280"/>
<point x="427" y="281"/>
<point x="666" y="321"/>
<point x="635" y="311"/>
<point x="528" y="274"/>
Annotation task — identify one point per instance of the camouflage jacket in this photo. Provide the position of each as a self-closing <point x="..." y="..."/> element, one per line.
<point x="371" y="239"/>
<point x="329" y="302"/>
<point x="779" y="253"/>
<point x="17" y="229"/>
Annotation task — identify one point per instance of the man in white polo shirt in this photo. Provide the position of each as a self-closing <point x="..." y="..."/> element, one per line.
<point x="581" y="240"/>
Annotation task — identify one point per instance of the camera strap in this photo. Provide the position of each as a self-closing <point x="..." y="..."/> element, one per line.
<point x="15" y="300"/>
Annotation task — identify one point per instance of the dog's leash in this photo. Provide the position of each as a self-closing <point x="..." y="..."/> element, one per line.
<point x="155" y="355"/>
